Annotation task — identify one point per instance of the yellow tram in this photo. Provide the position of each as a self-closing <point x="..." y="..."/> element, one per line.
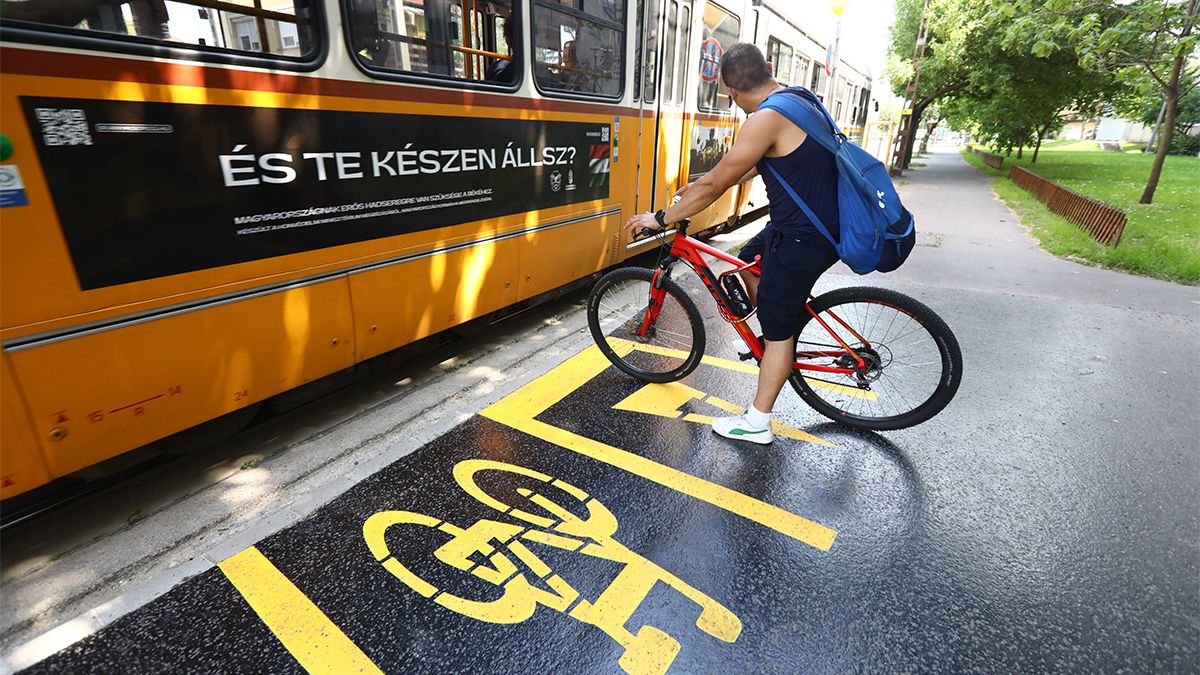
<point x="205" y="203"/>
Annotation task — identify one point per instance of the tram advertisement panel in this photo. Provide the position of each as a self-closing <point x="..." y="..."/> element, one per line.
<point x="144" y="190"/>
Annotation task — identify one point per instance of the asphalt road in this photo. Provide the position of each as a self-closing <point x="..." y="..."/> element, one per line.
<point x="1046" y="520"/>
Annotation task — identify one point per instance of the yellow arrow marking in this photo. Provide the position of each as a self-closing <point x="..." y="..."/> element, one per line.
<point x="665" y="400"/>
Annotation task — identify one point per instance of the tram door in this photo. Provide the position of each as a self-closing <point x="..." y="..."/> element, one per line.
<point x="665" y="123"/>
<point x="673" y="120"/>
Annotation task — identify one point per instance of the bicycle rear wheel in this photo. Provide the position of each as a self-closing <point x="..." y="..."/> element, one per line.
<point x="662" y="350"/>
<point x="914" y="364"/>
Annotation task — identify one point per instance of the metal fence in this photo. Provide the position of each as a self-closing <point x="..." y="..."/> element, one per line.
<point x="1098" y="219"/>
<point x="994" y="161"/>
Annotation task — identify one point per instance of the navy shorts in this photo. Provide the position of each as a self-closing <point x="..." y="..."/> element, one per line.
<point x="790" y="269"/>
<point x="757" y="244"/>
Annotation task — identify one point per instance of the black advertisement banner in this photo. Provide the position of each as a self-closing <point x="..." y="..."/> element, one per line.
<point x="145" y="190"/>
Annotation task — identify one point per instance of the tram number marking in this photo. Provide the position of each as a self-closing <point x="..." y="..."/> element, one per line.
<point x="95" y="417"/>
<point x="500" y="554"/>
<point x="176" y="390"/>
<point x="241" y="395"/>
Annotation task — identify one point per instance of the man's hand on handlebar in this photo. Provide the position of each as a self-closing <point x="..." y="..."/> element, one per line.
<point x="640" y="225"/>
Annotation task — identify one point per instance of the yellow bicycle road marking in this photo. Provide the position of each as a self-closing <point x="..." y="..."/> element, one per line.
<point x="519" y="409"/>
<point x="664" y="400"/>
<point x="741" y="367"/>
<point x="315" y="641"/>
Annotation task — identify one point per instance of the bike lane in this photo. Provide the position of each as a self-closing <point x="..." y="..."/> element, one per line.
<point x="586" y="522"/>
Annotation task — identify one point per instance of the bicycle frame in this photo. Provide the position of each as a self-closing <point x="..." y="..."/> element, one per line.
<point x="690" y="251"/>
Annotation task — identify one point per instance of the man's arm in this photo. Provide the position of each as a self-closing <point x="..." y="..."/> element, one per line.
<point x="750" y="175"/>
<point x="753" y="142"/>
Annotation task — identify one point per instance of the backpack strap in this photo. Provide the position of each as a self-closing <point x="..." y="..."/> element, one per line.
<point x="814" y="119"/>
<point x="800" y="202"/>
<point x="820" y="127"/>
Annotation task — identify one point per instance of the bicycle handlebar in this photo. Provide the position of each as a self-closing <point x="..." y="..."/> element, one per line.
<point x="681" y="226"/>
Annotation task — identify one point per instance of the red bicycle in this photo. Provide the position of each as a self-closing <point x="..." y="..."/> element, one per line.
<point x="867" y="357"/>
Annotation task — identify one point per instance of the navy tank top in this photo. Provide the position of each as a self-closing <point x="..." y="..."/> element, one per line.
<point x="812" y="172"/>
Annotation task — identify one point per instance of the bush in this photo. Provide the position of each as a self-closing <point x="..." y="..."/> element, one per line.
<point x="1182" y="144"/>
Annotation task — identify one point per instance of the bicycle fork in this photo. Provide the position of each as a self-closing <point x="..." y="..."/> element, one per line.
<point x="655" y="304"/>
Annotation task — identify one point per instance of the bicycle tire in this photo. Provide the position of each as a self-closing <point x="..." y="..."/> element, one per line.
<point x="639" y="361"/>
<point x="839" y="404"/>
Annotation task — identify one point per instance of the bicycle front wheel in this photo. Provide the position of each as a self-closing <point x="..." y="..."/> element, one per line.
<point x="913" y="361"/>
<point x="655" y="337"/>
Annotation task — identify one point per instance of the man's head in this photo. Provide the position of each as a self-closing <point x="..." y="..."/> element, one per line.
<point x="746" y="75"/>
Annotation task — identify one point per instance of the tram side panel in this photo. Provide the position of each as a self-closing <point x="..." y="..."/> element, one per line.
<point x="22" y="466"/>
<point x="118" y="389"/>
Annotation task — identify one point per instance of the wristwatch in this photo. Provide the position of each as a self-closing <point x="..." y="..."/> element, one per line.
<point x="660" y="216"/>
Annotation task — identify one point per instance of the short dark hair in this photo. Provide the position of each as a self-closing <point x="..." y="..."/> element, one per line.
<point x="743" y="67"/>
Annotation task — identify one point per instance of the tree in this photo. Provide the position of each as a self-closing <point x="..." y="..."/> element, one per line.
<point x="1010" y="96"/>
<point x="942" y="68"/>
<point x="1144" y="43"/>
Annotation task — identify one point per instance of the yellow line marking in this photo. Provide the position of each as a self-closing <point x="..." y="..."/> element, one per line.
<point x="747" y="368"/>
<point x="315" y="642"/>
<point x="664" y="400"/>
<point x="519" y="409"/>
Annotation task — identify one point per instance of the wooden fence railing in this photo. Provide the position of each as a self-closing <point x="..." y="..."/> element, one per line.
<point x="1098" y="219"/>
<point x="994" y="161"/>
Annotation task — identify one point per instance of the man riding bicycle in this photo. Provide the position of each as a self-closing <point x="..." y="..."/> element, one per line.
<point x="794" y="253"/>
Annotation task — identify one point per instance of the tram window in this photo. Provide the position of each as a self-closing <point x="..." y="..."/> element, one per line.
<point x="475" y="40"/>
<point x="780" y="55"/>
<point x="815" y="84"/>
<point x="669" y="52"/>
<point x="685" y="24"/>
<point x="650" y="60"/>
<point x="579" y="46"/>
<point x="276" y="28"/>
<point x="637" y="51"/>
<point x="721" y="31"/>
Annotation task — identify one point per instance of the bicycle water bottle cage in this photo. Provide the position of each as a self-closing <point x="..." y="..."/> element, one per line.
<point x="734" y="295"/>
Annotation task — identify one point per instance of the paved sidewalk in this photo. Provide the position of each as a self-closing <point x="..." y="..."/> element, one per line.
<point x="981" y="246"/>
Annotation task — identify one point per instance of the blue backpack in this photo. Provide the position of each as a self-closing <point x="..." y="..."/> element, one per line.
<point x="877" y="232"/>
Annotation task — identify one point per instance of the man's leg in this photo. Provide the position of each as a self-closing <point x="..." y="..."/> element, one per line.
<point x="789" y="271"/>
<point x="750" y="281"/>
<point x="773" y="372"/>
<point x="757" y="246"/>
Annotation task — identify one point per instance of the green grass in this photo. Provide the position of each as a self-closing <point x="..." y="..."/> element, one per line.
<point x="1161" y="240"/>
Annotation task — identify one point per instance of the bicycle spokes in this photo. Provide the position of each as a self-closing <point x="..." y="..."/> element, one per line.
<point x="632" y="310"/>
<point x="871" y="346"/>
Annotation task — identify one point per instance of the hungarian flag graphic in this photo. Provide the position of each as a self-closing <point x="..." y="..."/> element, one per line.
<point x="598" y="165"/>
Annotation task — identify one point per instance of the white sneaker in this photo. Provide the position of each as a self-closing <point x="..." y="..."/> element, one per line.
<point x="739" y="429"/>
<point x="739" y="347"/>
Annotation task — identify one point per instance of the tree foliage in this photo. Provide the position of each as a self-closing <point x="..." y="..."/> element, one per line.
<point x="1149" y="46"/>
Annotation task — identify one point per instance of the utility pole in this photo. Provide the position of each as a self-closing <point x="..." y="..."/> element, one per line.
<point x="1157" y="125"/>
<point x="907" y="134"/>
<point x="830" y="86"/>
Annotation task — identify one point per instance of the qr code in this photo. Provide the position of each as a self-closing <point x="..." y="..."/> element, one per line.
<point x="63" y="126"/>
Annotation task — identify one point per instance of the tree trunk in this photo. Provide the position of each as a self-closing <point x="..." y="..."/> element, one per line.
<point x="1021" y="149"/>
<point x="1041" y="132"/>
<point x="1168" y="133"/>
<point x="929" y="129"/>
<point x="910" y="139"/>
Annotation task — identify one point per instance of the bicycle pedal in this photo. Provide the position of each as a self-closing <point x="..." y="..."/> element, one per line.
<point x="745" y="356"/>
